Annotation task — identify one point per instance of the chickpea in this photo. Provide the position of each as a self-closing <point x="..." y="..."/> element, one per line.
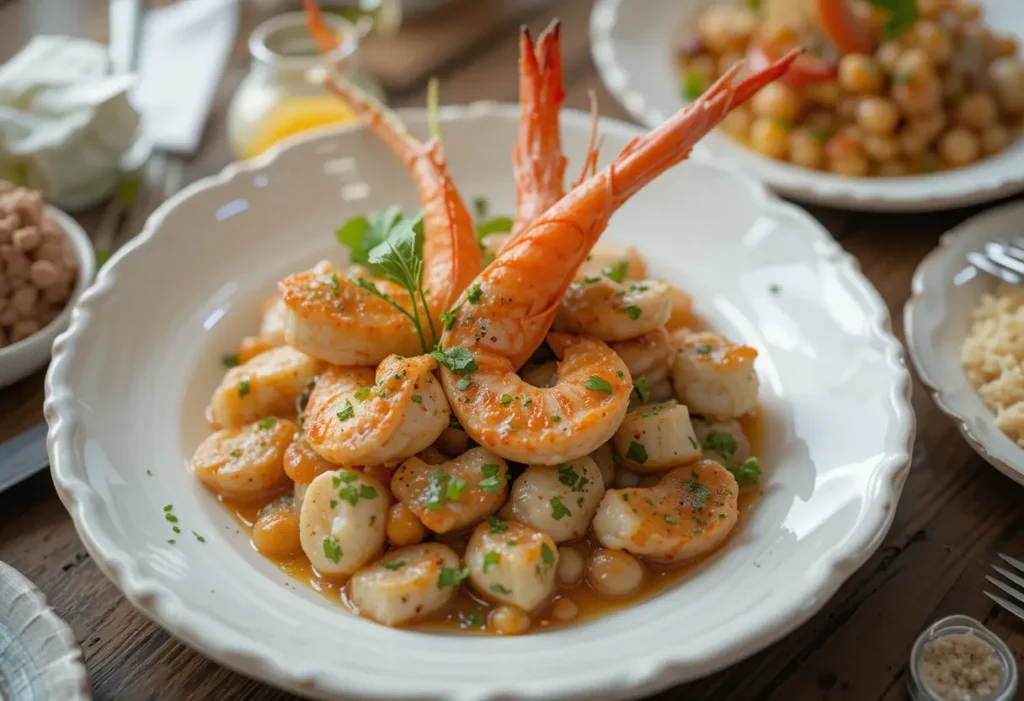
<point x="878" y="115"/>
<point x="859" y="74"/>
<point x="931" y="38"/>
<point x="893" y="169"/>
<point x="846" y="142"/>
<point x="23" y="328"/>
<point x="919" y="94"/>
<point x="995" y="139"/>
<point x="776" y="101"/>
<point x="855" y="165"/>
<point x="276" y="531"/>
<point x="769" y="137"/>
<point x="805" y="149"/>
<point x="913" y="62"/>
<point x="846" y="110"/>
<point x="403" y="527"/>
<point x="1008" y="75"/>
<point x="726" y="28"/>
<point x="929" y="127"/>
<point x="822" y="122"/>
<point x="737" y="123"/>
<point x="826" y="93"/>
<point x="888" y="54"/>
<point x="911" y="142"/>
<point x="570" y="566"/>
<point x="564" y="610"/>
<point x="954" y="87"/>
<point x="302" y="463"/>
<point x="881" y="148"/>
<point x="978" y="110"/>
<point x="509" y="620"/>
<point x="614" y="573"/>
<point x="959" y="147"/>
<point x="26" y="239"/>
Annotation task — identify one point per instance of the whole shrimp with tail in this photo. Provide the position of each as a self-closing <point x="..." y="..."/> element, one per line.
<point x="335" y="319"/>
<point x="507" y="311"/>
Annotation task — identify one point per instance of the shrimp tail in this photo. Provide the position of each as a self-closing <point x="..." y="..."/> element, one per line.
<point x="451" y="254"/>
<point x="593" y="144"/>
<point x="538" y="163"/>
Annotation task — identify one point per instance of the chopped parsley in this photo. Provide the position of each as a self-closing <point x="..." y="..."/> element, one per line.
<point x="642" y="387"/>
<point x="243" y="387"/>
<point x="393" y="566"/>
<point x="474" y="294"/>
<point x="490" y="560"/>
<point x="171" y="517"/>
<point x="456" y="485"/>
<point x="722" y="442"/>
<point x="335" y="284"/>
<point x="450" y="577"/>
<point x="637" y="453"/>
<point x="692" y="85"/>
<point x="230" y="360"/>
<point x="556" y="418"/>
<point x="457" y="359"/>
<point x="200" y="538"/>
<point x="617" y="272"/>
<point x="633" y="312"/>
<point x="363" y="393"/>
<point x="499" y="589"/>
<point x="598" y="384"/>
<point x="625" y="497"/>
<point x="558" y="509"/>
<point x="437" y="487"/>
<point x="748" y="473"/>
<point x="267" y="423"/>
<point x="693" y="443"/>
<point x="527" y="402"/>
<point x="669" y="520"/>
<point x="506" y="398"/>
<point x="332" y="549"/>
<point x="417" y="398"/>
<point x="344" y="476"/>
<point x="547" y="555"/>
<point x="775" y="289"/>
<point x="496" y="525"/>
<point x="447" y="319"/>
<point x="568" y="477"/>
<point x="490" y="482"/>
<point x="463" y="384"/>
<point x="169" y="507"/>
<point x="703" y="349"/>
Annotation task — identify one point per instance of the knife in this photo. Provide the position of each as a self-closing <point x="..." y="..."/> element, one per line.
<point x="23" y="456"/>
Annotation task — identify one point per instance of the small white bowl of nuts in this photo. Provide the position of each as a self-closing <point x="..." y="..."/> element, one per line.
<point x="46" y="261"/>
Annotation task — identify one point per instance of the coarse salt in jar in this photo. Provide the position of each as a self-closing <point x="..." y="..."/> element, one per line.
<point x="959" y="659"/>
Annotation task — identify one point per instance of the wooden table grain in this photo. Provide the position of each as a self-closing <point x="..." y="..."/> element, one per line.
<point x="955" y="514"/>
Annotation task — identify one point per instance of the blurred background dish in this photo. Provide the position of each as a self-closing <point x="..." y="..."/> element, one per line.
<point x="637" y="53"/>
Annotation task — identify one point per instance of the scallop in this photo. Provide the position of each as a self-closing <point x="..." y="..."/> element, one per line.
<point x="343" y="521"/>
<point x="512" y="563"/>
<point x="559" y="500"/>
<point x="406" y="584"/>
<point x="656" y="437"/>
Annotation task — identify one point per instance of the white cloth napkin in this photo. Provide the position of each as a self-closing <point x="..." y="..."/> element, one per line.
<point x="64" y="123"/>
<point x="183" y="51"/>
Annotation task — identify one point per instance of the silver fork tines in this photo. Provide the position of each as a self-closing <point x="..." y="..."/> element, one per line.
<point x="1016" y="594"/>
<point x="1003" y="260"/>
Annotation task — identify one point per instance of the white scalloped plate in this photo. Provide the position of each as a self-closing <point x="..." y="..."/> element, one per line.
<point x="129" y="380"/>
<point x="633" y="53"/>
<point x="937" y="318"/>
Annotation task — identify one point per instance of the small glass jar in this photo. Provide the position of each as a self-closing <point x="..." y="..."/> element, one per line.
<point x="284" y="94"/>
<point x="961" y="625"/>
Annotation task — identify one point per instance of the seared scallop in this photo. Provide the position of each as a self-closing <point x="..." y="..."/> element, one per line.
<point x="406" y="584"/>
<point x="343" y="521"/>
<point x="512" y="563"/>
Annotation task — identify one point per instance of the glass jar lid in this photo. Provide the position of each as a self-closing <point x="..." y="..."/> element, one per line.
<point x="284" y="43"/>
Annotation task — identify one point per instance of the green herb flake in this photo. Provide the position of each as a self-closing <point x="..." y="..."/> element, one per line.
<point x="347" y="412"/>
<point x="474" y="619"/>
<point x="748" y="473"/>
<point x="490" y="561"/>
<point x="335" y="284"/>
<point x="363" y="393"/>
<point x="527" y="402"/>
<point x="235" y="453"/>
<point x="266" y="423"/>
<point x="598" y="384"/>
<point x="901" y="15"/>
<point x="447" y="319"/>
<point x="230" y="360"/>
<point x="417" y="399"/>
<point x="172" y="541"/>
<point x="243" y="387"/>
<point x="693" y="442"/>
<point x="617" y="272"/>
<point x="176" y="529"/>
<point x="637" y="453"/>
<point x="436" y="491"/>
<point x="775" y="289"/>
<point x="490" y="482"/>
<point x="171" y="517"/>
<point x="558" y="509"/>
<point x="457" y="359"/>
<point x="722" y="442"/>
<point x="393" y="566"/>
<point x="547" y="555"/>
<point x="633" y="312"/>
<point x="703" y="349"/>
<point x="625" y="497"/>
<point x="332" y="549"/>
<point x="692" y="85"/>
<point x="463" y="384"/>
<point x="169" y="507"/>
<point x="642" y="387"/>
<point x="474" y="294"/>
<point x="556" y="418"/>
<point x="567" y="475"/>
<point x="456" y="486"/>
<point x="450" y="577"/>
<point x="669" y="520"/>
<point x="506" y="398"/>
<point x="499" y="589"/>
<point x="496" y="525"/>
<point x="200" y="538"/>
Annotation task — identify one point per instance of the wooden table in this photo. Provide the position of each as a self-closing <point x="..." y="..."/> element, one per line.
<point x="955" y="515"/>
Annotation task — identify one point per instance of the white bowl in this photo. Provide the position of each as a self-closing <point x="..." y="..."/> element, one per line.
<point x="937" y="319"/>
<point x="21" y="359"/>
<point x="633" y="51"/>
<point x="130" y="378"/>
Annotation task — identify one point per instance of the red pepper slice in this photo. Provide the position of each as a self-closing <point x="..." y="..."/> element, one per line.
<point x="851" y="34"/>
<point x="807" y="69"/>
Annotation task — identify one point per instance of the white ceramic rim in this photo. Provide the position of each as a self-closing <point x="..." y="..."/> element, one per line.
<point x="47" y="639"/>
<point x="258" y="659"/>
<point x="945" y="401"/>
<point x="86" y="256"/>
<point x="987" y="180"/>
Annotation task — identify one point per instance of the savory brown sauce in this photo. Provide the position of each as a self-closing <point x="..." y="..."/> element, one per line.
<point x="468" y="612"/>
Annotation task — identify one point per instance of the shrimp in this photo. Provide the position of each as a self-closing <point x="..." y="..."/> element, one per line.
<point x="515" y="299"/>
<point x="689" y="512"/>
<point x="358" y="417"/>
<point x="332" y="317"/>
<point x="246" y="462"/>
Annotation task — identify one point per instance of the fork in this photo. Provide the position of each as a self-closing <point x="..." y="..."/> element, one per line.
<point x="1017" y="594"/>
<point x="1001" y="259"/>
